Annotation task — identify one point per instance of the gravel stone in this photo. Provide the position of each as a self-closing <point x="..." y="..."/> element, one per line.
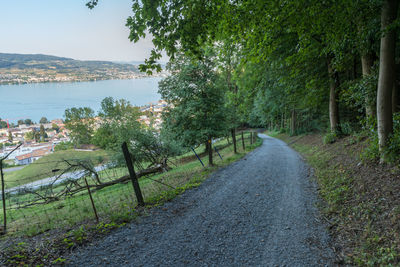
<point x="258" y="211"/>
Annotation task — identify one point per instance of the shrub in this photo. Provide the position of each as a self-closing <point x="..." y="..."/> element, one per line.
<point x="330" y="138"/>
<point x="63" y="146"/>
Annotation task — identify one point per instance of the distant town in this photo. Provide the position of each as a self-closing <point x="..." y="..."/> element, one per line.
<point x="17" y="77"/>
<point x="25" y="68"/>
<point x="40" y="139"/>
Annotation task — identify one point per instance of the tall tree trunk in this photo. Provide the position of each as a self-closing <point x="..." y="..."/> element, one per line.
<point x="293" y="122"/>
<point x="396" y="92"/>
<point x="233" y="132"/>
<point x="333" y="98"/>
<point x="386" y="74"/>
<point x="367" y="61"/>
<point x="206" y="147"/>
<point x="210" y="152"/>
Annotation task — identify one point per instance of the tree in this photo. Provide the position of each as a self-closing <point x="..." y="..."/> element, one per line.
<point x="55" y="127"/>
<point x="43" y="120"/>
<point x="20" y="122"/>
<point x="10" y="137"/>
<point x="387" y="76"/>
<point x="28" y="122"/>
<point x="119" y="123"/>
<point x="43" y="134"/>
<point x="3" y="124"/>
<point x="117" y="118"/>
<point x="194" y="90"/>
<point x="29" y="135"/>
<point x="80" y="121"/>
<point x="36" y="136"/>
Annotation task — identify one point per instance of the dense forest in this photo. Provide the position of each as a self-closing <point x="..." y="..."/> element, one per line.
<point x="295" y="66"/>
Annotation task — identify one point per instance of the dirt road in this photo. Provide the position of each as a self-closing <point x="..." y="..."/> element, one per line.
<point x="258" y="211"/>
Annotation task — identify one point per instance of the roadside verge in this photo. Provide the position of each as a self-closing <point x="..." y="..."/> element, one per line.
<point x="361" y="199"/>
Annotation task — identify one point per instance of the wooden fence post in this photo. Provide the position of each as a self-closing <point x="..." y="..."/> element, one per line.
<point x="234" y="140"/>
<point x="244" y="148"/>
<point x="251" y="137"/>
<point x="210" y="153"/>
<point x="132" y="174"/>
<point x="91" y="200"/>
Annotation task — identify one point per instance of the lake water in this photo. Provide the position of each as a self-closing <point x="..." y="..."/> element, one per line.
<point x="50" y="100"/>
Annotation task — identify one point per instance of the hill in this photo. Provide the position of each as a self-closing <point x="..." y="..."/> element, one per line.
<point x="27" y="68"/>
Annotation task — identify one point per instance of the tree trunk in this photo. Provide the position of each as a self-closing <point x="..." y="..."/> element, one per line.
<point x="233" y="131"/>
<point x="293" y="123"/>
<point x="367" y="61"/>
<point x="396" y="92"/>
<point x="386" y="74"/>
<point x="333" y="98"/>
<point x="206" y="147"/>
<point x="210" y="152"/>
<point x="244" y="148"/>
<point x="395" y="97"/>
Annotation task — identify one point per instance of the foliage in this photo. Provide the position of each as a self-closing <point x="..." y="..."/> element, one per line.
<point x="63" y="146"/>
<point x="43" y="120"/>
<point x="198" y="112"/>
<point x="119" y="123"/>
<point x="3" y="124"/>
<point x="80" y="121"/>
<point x="330" y="138"/>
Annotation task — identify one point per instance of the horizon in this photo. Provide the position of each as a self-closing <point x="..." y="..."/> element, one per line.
<point x="113" y="61"/>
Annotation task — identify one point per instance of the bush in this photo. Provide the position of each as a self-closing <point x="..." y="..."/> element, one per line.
<point x="63" y="146"/>
<point x="330" y="138"/>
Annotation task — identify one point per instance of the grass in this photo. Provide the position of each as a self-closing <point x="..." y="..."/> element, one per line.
<point x="359" y="202"/>
<point x="114" y="203"/>
<point x="43" y="167"/>
<point x="70" y="222"/>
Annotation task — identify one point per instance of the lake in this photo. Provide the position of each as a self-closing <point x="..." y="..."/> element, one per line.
<point x="50" y="100"/>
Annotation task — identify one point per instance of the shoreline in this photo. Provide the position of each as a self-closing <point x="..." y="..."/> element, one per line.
<point x="84" y="80"/>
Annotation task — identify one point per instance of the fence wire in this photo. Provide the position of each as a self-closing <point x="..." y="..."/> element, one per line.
<point x="58" y="198"/>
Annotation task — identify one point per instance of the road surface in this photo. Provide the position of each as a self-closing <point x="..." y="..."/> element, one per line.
<point x="259" y="211"/>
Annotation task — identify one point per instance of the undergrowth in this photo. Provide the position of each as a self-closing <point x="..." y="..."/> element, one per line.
<point x="362" y="211"/>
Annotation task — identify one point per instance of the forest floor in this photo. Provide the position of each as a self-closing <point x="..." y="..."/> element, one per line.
<point x="258" y="211"/>
<point x="362" y="199"/>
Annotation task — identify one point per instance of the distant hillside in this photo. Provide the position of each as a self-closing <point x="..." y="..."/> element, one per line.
<point x="23" y="68"/>
<point x="46" y="62"/>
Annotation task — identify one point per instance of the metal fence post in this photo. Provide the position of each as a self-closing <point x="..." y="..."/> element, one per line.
<point x="216" y="150"/>
<point x="3" y="194"/>
<point x="132" y="174"/>
<point x="3" y="197"/>
<point x="197" y="156"/>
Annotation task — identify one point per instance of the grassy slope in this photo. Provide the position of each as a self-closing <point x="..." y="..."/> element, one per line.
<point x="43" y="167"/>
<point x="115" y="205"/>
<point x="362" y="200"/>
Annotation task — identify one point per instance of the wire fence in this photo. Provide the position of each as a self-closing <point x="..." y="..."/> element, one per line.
<point x="80" y="191"/>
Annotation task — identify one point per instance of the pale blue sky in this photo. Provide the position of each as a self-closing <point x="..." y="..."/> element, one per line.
<point x="68" y="28"/>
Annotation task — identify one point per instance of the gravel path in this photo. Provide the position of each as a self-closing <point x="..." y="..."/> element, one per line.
<point x="258" y="211"/>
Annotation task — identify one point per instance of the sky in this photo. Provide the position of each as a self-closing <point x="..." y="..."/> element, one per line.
<point x="67" y="28"/>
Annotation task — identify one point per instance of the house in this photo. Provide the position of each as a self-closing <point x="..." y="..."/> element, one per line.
<point x="37" y="154"/>
<point x="24" y="159"/>
<point x="30" y="157"/>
